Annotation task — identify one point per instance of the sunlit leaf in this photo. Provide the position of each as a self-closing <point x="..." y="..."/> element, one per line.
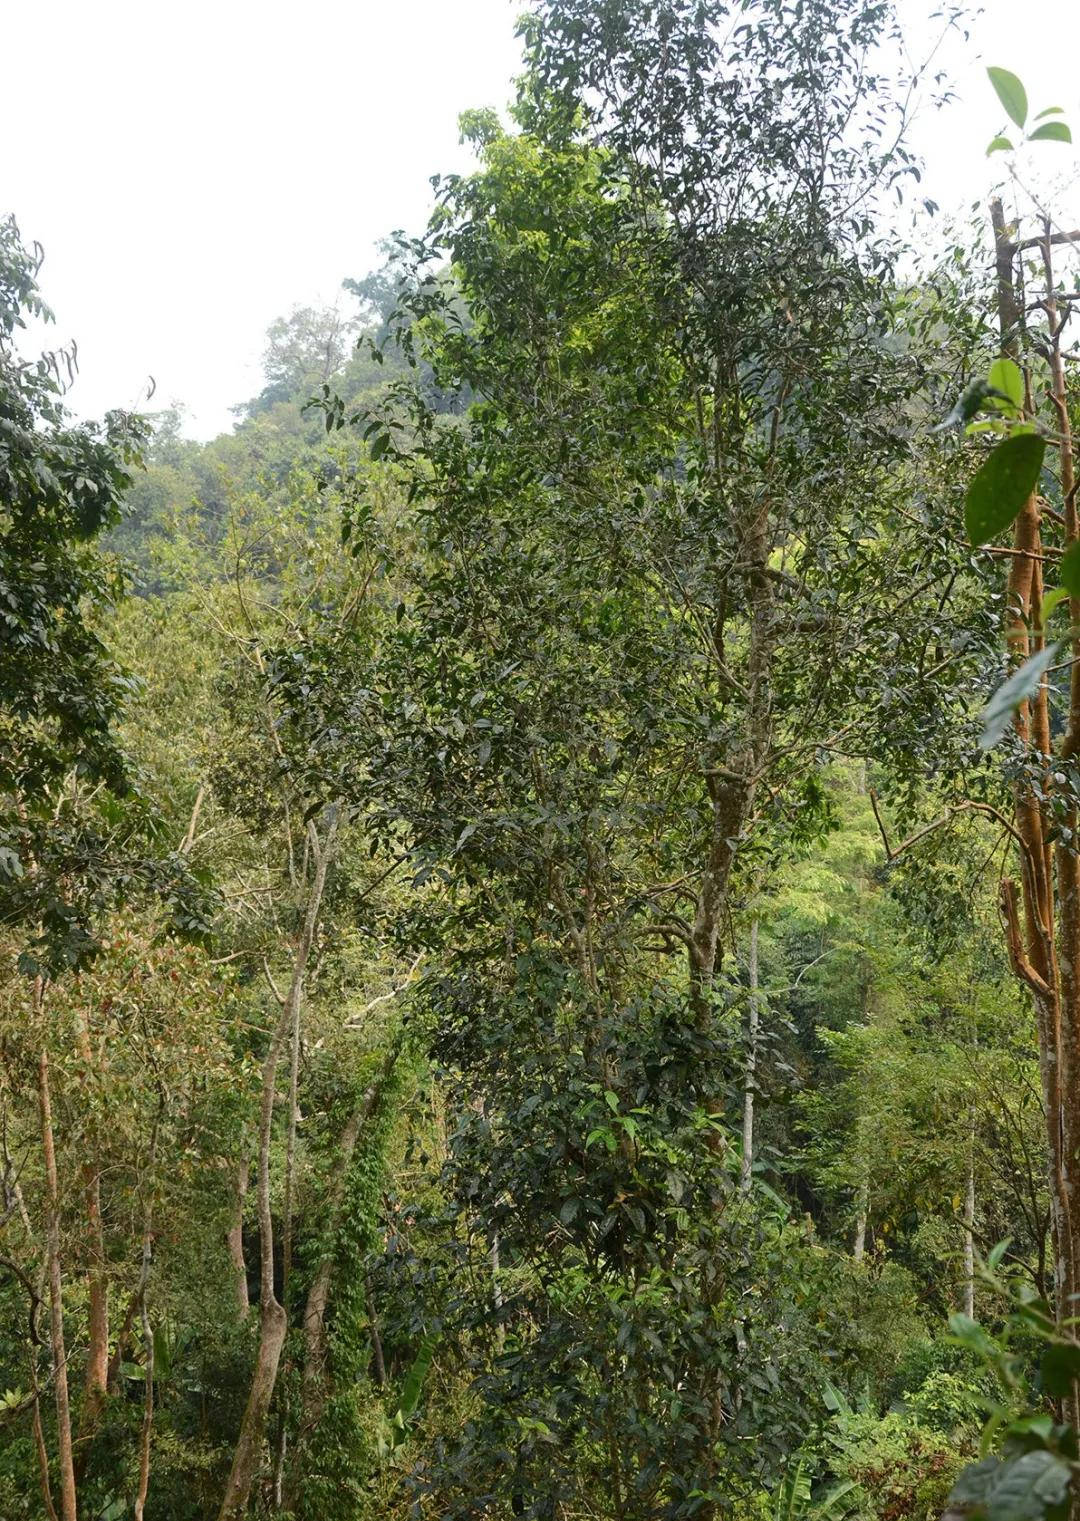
<point x="1051" y="132"/>
<point x="1022" y="685"/>
<point x="1052" y="600"/>
<point x="1011" y="93"/>
<point x="1005" y="377"/>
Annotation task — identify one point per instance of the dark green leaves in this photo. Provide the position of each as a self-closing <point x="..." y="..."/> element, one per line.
<point x="1060" y="1366"/>
<point x="1022" y="685"/>
<point x="1027" y="1488"/>
<point x="1002" y="486"/>
<point x="1030" y="1486"/>
<point x="1011" y="93"/>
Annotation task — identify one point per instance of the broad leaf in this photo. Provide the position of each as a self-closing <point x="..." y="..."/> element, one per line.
<point x="973" y="1485"/>
<point x="1023" y="684"/>
<point x="1005" y="377"/>
<point x="1028" y="1488"/>
<point x="1001" y="487"/>
<point x="1051" y="132"/>
<point x="1069" y="570"/>
<point x="414" y="1379"/>
<point x="1060" y="1366"/>
<point x="999" y="145"/>
<point x="1059" y="594"/>
<point x="1011" y="93"/>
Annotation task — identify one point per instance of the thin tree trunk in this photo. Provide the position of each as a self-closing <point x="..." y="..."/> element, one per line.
<point x="33" y="1343"/>
<point x="281" y="1442"/>
<point x="122" y="1338"/>
<point x="318" y="1298"/>
<point x="97" y="1283"/>
<point x="235" y="1239"/>
<point x="969" y="1231"/>
<point x="496" y="1292"/>
<point x="147" y="1329"/>
<point x="66" y="1462"/>
<point x="376" y="1339"/>
<point x="1066" y="859"/>
<point x="273" y="1321"/>
<point x="1045" y="949"/>
<point x="40" y="1448"/>
<point x="148" y="1392"/>
<point x="733" y="786"/>
<point x="747" y="1166"/>
<point x="862" y="1210"/>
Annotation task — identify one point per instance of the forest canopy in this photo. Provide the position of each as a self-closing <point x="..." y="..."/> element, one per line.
<point x="539" y="877"/>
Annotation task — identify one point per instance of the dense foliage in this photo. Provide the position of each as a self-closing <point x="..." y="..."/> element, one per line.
<point x="506" y="1008"/>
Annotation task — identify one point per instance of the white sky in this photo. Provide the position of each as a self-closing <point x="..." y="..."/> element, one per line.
<point x="196" y="170"/>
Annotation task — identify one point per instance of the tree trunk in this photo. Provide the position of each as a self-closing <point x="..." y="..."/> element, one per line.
<point x="97" y="1283"/>
<point x="66" y="1462"/>
<point x="1044" y="940"/>
<point x="318" y="1298"/>
<point x="862" y="1210"/>
<point x="733" y="786"/>
<point x="746" y="1168"/>
<point x="273" y="1321"/>
<point x="969" y="1232"/>
<point x="147" y="1329"/>
<point x="235" y="1239"/>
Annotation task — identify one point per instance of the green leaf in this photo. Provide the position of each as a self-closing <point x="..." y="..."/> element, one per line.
<point x="1059" y="594"/>
<point x="1011" y="93"/>
<point x="973" y="1484"/>
<point x="414" y="1379"/>
<point x="162" y="1353"/>
<point x="1005" y="377"/>
<point x="1001" y="487"/>
<point x="1040" y="1425"/>
<point x="1027" y="1488"/>
<point x="999" y="145"/>
<point x="834" y="1496"/>
<point x="996" y="1254"/>
<point x="1051" y="132"/>
<point x="1022" y="684"/>
<point x="1050" y="111"/>
<point x="1060" y="1366"/>
<point x="1069" y="570"/>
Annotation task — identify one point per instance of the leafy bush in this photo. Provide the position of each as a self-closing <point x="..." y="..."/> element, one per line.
<point x="902" y="1470"/>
